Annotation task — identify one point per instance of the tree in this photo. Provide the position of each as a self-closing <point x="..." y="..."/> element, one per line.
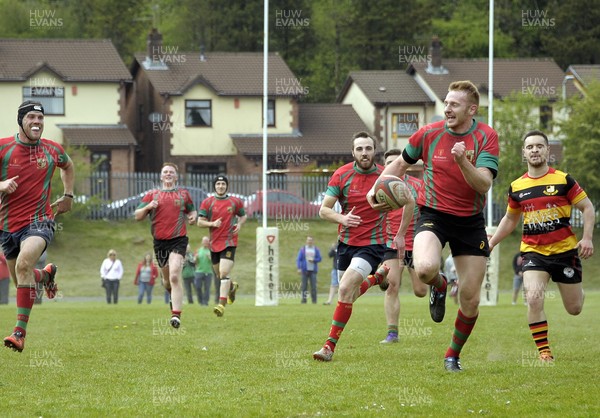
<point x="514" y="115"/>
<point x="581" y="141"/>
<point x="463" y="29"/>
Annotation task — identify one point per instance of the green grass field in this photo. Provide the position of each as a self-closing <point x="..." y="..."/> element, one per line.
<point x="92" y="359"/>
<point x="86" y="358"/>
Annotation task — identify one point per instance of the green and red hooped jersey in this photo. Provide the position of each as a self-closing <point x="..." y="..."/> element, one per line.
<point x="34" y="164"/>
<point x="228" y="208"/>
<point x="169" y="219"/>
<point x="444" y="187"/>
<point x="350" y="184"/>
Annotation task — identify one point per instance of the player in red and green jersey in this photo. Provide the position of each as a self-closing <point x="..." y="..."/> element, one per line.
<point x="550" y="250"/>
<point x="399" y="254"/>
<point x="362" y="234"/>
<point x="224" y="215"/>
<point x="28" y="162"/>
<point x="460" y="161"/>
<point x="170" y="208"/>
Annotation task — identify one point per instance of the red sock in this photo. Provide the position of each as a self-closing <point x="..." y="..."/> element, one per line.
<point x="341" y="316"/>
<point x="462" y="329"/>
<point x="25" y="298"/>
<point x="38" y="275"/>
<point x="371" y="280"/>
<point x="222" y="301"/>
<point x="439" y="283"/>
<point x="176" y="313"/>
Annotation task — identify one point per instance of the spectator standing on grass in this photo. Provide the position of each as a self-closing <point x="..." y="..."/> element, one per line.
<point x="28" y="163"/>
<point x="203" y="275"/>
<point x="333" y="287"/>
<point x="170" y="209"/>
<point x="224" y="215"/>
<point x="307" y="262"/>
<point x="189" y="266"/>
<point x="111" y="272"/>
<point x="550" y="249"/>
<point x="145" y="277"/>
<point x="460" y="161"/>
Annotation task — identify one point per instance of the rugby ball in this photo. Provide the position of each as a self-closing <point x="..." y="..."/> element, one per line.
<point x="392" y="190"/>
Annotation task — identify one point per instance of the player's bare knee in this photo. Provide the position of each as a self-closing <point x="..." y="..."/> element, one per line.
<point x="574" y="309"/>
<point x="420" y="293"/>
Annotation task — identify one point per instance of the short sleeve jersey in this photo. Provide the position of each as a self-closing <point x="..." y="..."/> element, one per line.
<point x="394" y="217"/>
<point x="545" y="203"/>
<point x="350" y="184"/>
<point x="227" y="208"/>
<point x="444" y="187"/>
<point x="169" y="219"/>
<point x="35" y="165"/>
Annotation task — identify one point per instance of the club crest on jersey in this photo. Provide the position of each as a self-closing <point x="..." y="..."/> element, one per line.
<point x="229" y="209"/>
<point x="470" y="154"/>
<point x="41" y="162"/>
<point x="550" y="190"/>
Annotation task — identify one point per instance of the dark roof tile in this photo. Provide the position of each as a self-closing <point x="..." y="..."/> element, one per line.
<point x="226" y="73"/>
<point x="538" y="76"/>
<point x="386" y="87"/>
<point x="69" y="59"/>
<point x="324" y="129"/>
<point x="98" y="135"/>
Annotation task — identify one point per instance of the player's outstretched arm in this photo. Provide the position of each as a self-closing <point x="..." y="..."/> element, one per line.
<point x="505" y="227"/>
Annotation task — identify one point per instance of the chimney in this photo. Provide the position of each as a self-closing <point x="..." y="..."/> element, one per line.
<point x="202" y="55"/>
<point x="435" y="51"/>
<point x="154" y="45"/>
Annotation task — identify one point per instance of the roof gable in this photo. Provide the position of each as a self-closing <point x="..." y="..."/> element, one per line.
<point x="585" y="73"/>
<point x="69" y="59"/>
<point x="226" y="73"/>
<point x="386" y="87"/>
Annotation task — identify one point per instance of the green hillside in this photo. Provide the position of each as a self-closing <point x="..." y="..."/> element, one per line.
<point x="80" y="246"/>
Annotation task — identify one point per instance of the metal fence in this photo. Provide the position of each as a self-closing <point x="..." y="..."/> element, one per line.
<point x="116" y="195"/>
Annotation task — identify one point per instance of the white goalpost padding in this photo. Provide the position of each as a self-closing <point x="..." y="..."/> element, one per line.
<point x="267" y="266"/>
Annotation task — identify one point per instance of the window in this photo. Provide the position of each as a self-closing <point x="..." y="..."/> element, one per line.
<point x="52" y="98"/>
<point x="271" y="112"/>
<point x="198" y="113"/>
<point x="546" y="117"/>
<point x="206" y="168"/>
<point x="404" y="124"/>
<point x="101" y="160"/>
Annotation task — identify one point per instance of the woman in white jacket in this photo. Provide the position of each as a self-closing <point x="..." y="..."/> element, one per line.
<point x="111" y="272"/>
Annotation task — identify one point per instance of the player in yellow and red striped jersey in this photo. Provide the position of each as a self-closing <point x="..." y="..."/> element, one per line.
<point x="549" y="247"/>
